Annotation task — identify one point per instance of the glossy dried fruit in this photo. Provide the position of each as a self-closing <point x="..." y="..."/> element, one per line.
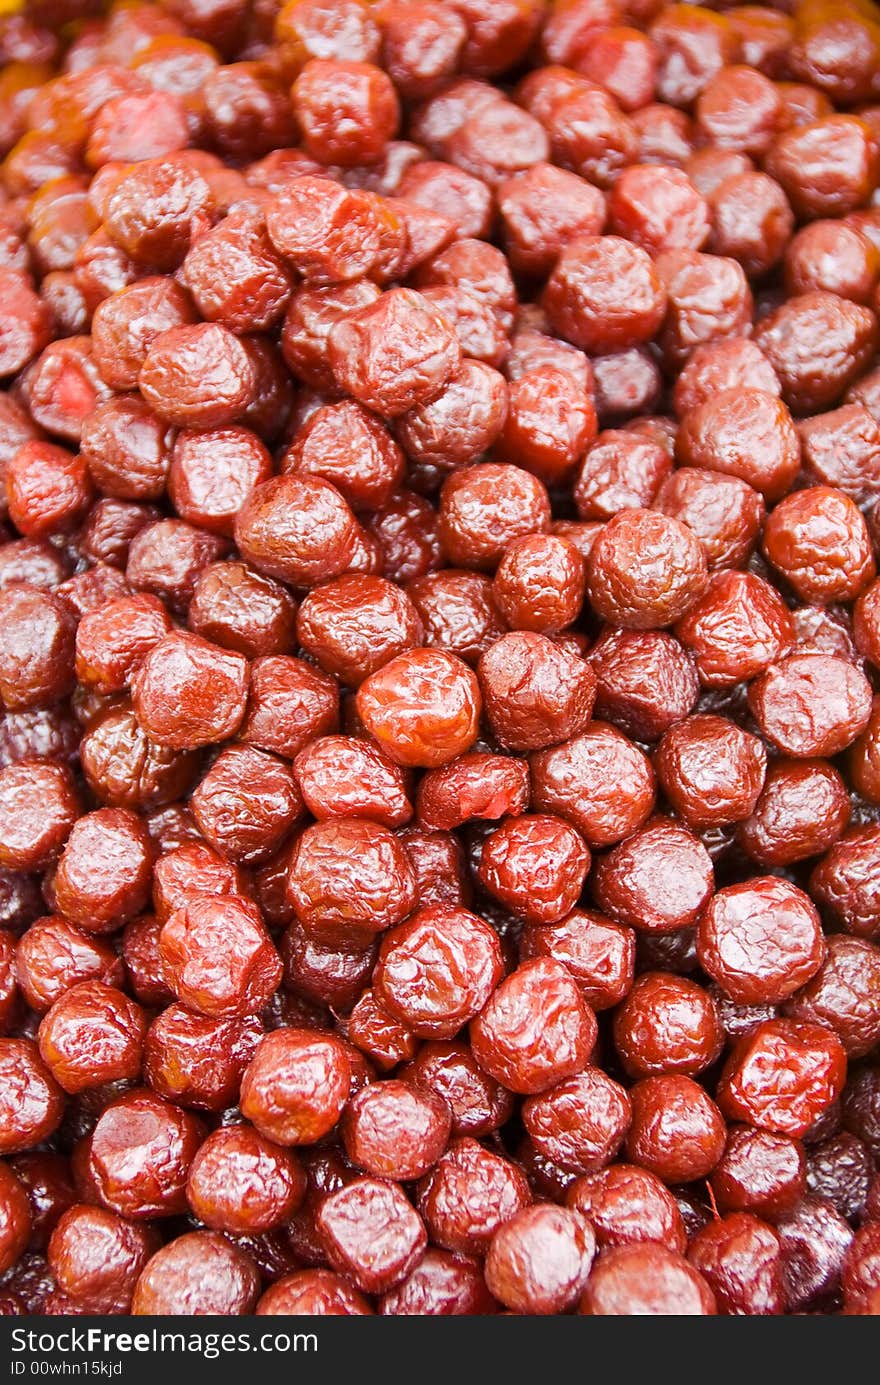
<point x="437" y="970"/>
<point x="431" y="720"/>
<point x="536" y="1030"/>
<point x="783" y="1076"/>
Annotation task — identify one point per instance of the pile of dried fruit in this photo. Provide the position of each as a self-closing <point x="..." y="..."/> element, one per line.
<point x="440" y="767"/>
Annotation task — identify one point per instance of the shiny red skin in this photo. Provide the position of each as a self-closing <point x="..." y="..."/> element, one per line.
<point x="536" y="1029"/>
<point x="436" y="1002"/>
<point x="814" y="1073"/>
